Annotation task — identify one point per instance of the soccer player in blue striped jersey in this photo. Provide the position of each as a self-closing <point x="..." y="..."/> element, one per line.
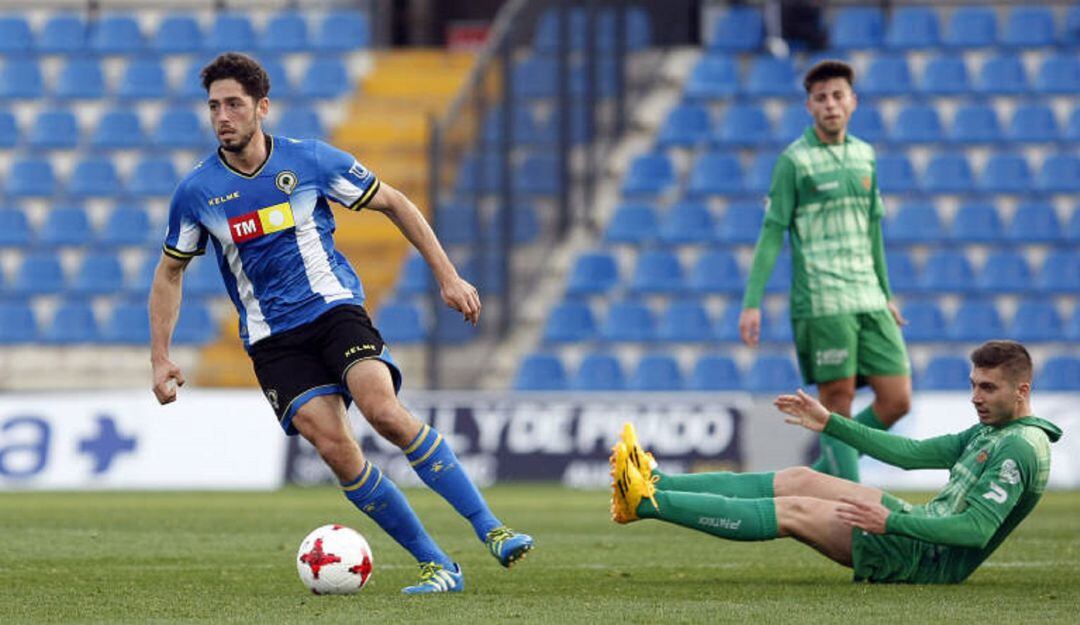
<point x="261" y="201"/>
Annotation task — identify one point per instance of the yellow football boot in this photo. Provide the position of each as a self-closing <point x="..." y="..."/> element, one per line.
<point x="628" y="486"/>
<point x="643" y="460"/>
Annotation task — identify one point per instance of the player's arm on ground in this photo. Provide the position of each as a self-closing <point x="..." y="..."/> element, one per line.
<point x="877" y="248"/>
<point x="165" y="295"/>
<point x="778" y="214"/>
<point x="940" y="452"/>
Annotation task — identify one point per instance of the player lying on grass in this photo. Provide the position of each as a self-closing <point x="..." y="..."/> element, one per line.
<point x="997" y="473"/>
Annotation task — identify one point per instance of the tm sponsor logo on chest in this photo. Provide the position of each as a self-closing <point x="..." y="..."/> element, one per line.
<point x="261" y="222"/>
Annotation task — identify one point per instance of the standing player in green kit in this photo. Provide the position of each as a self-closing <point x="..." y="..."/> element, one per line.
<point x="824" y="194"/>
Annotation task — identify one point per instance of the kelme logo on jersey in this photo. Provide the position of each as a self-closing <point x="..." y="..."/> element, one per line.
<point x="261" y="222"/>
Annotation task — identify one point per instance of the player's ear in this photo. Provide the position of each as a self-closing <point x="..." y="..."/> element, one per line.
<point x="262" y="107"/>
<point x="1023" y="391"/>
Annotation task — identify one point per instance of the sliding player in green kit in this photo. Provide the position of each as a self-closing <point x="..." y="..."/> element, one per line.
<point x="824" y="194"/>
<point x="998" y="471"/>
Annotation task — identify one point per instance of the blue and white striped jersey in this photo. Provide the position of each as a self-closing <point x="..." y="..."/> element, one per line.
<point x="273" y="231"/>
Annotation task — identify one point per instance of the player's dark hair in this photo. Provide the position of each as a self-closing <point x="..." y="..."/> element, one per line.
<point x="1010" y="355"/>
<point x="827" y="70"/>
<point x="241" y="68"/>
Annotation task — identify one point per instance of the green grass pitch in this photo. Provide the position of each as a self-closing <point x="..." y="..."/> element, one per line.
<point x="229" y="558"/>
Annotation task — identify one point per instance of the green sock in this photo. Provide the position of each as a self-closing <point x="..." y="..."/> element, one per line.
<point x="870" y="419"/>
<point x="726" y="517"/>
<point x="744" y="485"/>
<point x="839" y="459"/>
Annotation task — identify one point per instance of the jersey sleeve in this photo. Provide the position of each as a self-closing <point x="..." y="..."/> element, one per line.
<point x="780" y="208"/>
<point x="1010" y="469"/>
<point x="185" y="236"/>
<point x="940" y="452"/>
<point x="343" y="179"/>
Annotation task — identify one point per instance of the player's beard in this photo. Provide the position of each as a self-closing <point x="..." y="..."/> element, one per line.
<point x="240" y="144"/>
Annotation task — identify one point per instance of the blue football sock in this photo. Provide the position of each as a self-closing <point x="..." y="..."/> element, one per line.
<point x="436" y="464"/>
<point x="379" y="498"/>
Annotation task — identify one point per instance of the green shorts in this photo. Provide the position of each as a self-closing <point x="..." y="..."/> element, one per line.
<point x="892" y="559"/>
<point x="857" y="344"/>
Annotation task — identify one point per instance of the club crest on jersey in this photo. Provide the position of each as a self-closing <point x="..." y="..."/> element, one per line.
<point x="261" y="222"/>
<point x="866" y="182"/>
<point x="285" y="181"/>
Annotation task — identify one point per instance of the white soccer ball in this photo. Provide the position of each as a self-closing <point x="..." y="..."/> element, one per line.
<point x="334" y="560"/>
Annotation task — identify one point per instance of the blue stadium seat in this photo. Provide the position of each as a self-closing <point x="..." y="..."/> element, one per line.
<point x="15" y="228"/>
<point x="17" y="323"/>
<point x="780" y="280"/>
<point x="118" y="129"/>
<point x="772" y="373"/>
<point x="714" y="77"/>
<point x="634" y="224"/>
<point x="66" y="225"/>
<point x="231" y="30"/>
<point x="458" y="224"/>
<point x="128" y="323"/>
<point x="759" y="176"/>
<point x="648" y="176"/>
<point x="1034" y="123"/>
<point x="99" y="274"/>
<point x="887" y="75"/>
<point x="300" y="122"/>
<point x="945" y="75"/>
<point x="685" y="321"/>
<point x="202" y="278"/>
<point x="54" y="129"/>
<point x="535" y="78"/>
<point x="31" y="177"/>
<point x="1072" y="327"/>
<point x="657" y="272"/>
<point x="1005" y="173"/>
<point x="1035" y="222"/>
<point x="688" y="223"/>
<point x="73" y="323"/>
<point x="179" y="128"/>
<point x="771" y="76"/>
<point x="913" y="27"/>
<point x="716" y="271"/>
<point x="1059" y="73"/>
<point x="81" y="78"/>
<point x="16" y="39"/>
<point x="599" y="371"/>
<point x="638" y="30"/>
<point x="976" y="123"/>
<point x="571" y="321"/>
<point x="945" y="373"/>
<point x="977" y="222"/>
<point x="325" y="78"/>
<point x="1005" y="272"/>
<point x="401" y="323"/>
<point x="190" y="87"/>
<point x="537" y="175"/>
<point x="656" y="372"/>
<point x="948" y="172"/>
<point x="343" y="31"/>
<point x="947" y="271"/>
<point x="743" y="125"/>
<point x="1036" y="321"/>
<point x="976" y="320"/>
<point x="1059" y="373"/>
<point x="714" y="372"/>
<point x="914" y="223"/>
<point x="776" y="327"/>
<point x="687" y="125"/>
<point x="593" y="273"/>
<point x="867" y="124"/>
<point x="715" y="173"/>
<point x="478" y="173"/>
<point x="114" y="34"/>
<point x="526" y="130"/>
<point x="740" y="29"/>
<point x="195" y="325"/>
<point x="127" y="225"/>
<point x="917" y="123"/>
<point x="1029" y="27"/>
<point x="285" y="32"/>
<point x="138" y="285"/>
<point x="1003" y="74"/>
<point x="741" y="223"/>
<point x="178" y="33"/>
<point x="281" y="86"/>
<point x="63" y="33"/>
<point x="94" y="176"/>
<point x="1070" y="35"/>
<point x="540" y="372"/>
<point x="926" y="323"/>
<point x="727" y="324"/>
<point x="895" y="174"/>
<point x="21" y="80"/>
<point x="1060" y="173"/>
<point x="793" y="122"/>
<point x="154" y="176"/>
<point x="9" y="130"/>
<point x="602" y="82"/>
<point x="1072" y="230"/>
<point x="903" y="274"/>
<point x="1060" y="272"/>
<point x="416" y="277"/>
<point x="971" y="27"/>
<point x="144" y="79"/>
<point x="40" y="273"/>
<point x="858" y="28"/>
